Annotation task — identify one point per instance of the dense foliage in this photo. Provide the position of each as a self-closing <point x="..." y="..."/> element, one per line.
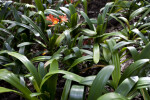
<point x="47" y="41"/>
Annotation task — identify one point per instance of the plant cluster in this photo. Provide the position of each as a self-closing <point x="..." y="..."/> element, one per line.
<point x="39" y="42"/>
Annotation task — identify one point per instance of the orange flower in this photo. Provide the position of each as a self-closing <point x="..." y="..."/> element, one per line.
<point x="45" y="52"/>
<point x="52" y="19"/>
<point x="63" y="18"/>
<point x="67" y="2"/>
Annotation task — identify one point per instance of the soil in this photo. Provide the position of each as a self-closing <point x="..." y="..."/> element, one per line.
<point x="94" y="7"/>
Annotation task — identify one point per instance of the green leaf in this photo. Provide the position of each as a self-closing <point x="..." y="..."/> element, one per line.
<point x="62" y="36"/>
<point x="144" y="25"/>
<point x="42" y="35"/>
<point x="72" y="9"/>
<point x="88" y="32"/>
<point x="74" y="19"/>
<point x="87" y="20"/>
<point x="69" y="56"/>
<point x="60" y="39"/>
<point x="143" y="16"/>
<point x="66" y="10"/>
<point x="145" y="52"/>
<point x="137" y="12"/>
<point x="143" y="82"/>
<point x="15" y="14"/>
<point x="87" y="52"/>
<point x="43" y="18"/>
<point x="115" y="61"/>
<point x="13" y="80"/>
<point x="66" y="90"/>
<point x="126" y="21"/>
<point x="28" y="65"/>
<point x="106" y="10"/>
<point x="22" y="25"/>
<point x="121" y="44"/>
<point x="7" y="46"/>
<point x="58" y="4"/>
<point x="3" y="90"/>
<point x="5" y="31"/>
<point x="77" y="51"/>
<point x="99" y="82"/>
<point x="24" y="44"/>
<point x="35" y="94"/>
<point x="41" y="70"/>
<point x="68" y="75"/>
<point x="117" y="19"/>
<point x="112" y="96"/>
<point x="52" y="81"/>
<point x="88" y="80"/>
<point x="5" y="59"/>
<point x="53" y="12"/>
<point x="80" y="42"/>
<point x="42" y="44"/>
<point x="119" y="34"/>
<point x="133" y="52"/>
<point x="39" y="5"/>
<point x="145" y="40"/>
<point x="79" y="60"/>
<point x="133" y="67"/>
<point x="96" y="53"/>
<point x="68" y="37"/>
<point x="76" y="93"/>
<point x="106" y="54"/>
<point x="125" y="87"/>
<point x="40" y="58"/>
<point x="85" y="5"/>
<point x="145" y="94"/>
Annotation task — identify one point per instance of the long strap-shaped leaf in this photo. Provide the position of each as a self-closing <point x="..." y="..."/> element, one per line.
<point x="119" y="34"/>
<point x="22" y="25"/>
<point x="133" y="67"/>
<point x="116" y="62"/>
<point x="79" y="60"/>
<point x="3" y="90"/>
<point x="28" y="65"/>
<point x="66" y="90"/>
<point x="145" y="52"/>
<point x="66" y="11"/>
<point x="89" y="32"/>
<point x="87" y="20"/>
<point x="112" y="96"/>
<point x="145" y="40"/>
<point x="137" y="12"/>
<point x="85" y="5"/>
<point x="143" y="82"/>
<point x="96" y="53"/>
<point x="122" y="44"/>
<point x="35" y="27"/>
<point x="68" y="75"/>
<point x="39" y="5"/>
<point x="53" y="80"/>
<point x="13" y="80"/>
<point x="145" y="94"/>
<point x="88" y="80"/>
<point x="133" y="52"/>
<point x="125" y="87"/>
<point x="72" y="9"/>
<point x="77" y="93"/>
<point x="99" y="82"/>
<point x="43" y="18"/>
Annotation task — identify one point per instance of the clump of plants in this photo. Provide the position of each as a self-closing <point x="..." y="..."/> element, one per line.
<point x="52" y="42"/>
